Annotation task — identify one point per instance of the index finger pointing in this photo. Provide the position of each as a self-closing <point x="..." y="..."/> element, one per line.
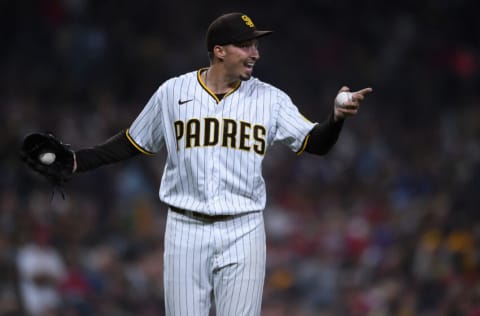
<point x="364" y="91"/>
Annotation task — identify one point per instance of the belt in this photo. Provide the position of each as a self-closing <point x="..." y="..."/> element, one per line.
<point x="201" y="216"/>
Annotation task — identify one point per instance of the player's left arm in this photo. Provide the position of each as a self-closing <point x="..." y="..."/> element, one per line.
<point x="350" y="107"/>
<point x="324" y="135"/>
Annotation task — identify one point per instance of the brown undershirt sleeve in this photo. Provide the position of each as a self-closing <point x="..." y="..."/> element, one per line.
<point x="323" y="136"/>
<point x="115" y="149"/>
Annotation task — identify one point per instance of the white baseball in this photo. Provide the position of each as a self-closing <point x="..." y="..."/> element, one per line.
<point x="47" y="158"/>
<point x="342" y="98"/>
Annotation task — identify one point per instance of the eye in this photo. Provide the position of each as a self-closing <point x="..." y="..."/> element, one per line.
<point x="247" y="44"/>
<point x="243" y="44"/>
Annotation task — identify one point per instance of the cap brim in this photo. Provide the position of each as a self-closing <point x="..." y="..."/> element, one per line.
<point x="262" y="33"/>
<point x="256" y="34"/>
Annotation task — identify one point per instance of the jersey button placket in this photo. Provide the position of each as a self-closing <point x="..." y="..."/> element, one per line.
<point x="214" y="156"/>
<point x="215" y="170"/>
<point x="211" y="161"/>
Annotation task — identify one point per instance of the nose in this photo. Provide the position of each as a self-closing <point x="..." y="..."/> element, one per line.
<point x="254" y="52"/>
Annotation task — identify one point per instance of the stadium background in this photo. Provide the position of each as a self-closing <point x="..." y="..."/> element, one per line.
<point x="386" y="224"/>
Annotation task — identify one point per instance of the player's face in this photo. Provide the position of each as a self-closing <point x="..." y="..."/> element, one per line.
<point x="240" y="58"/>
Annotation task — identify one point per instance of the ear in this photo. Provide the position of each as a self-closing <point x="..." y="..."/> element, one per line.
<point x="219" y="52"/>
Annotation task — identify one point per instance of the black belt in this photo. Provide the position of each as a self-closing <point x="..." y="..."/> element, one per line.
<point x="201" y="216"/>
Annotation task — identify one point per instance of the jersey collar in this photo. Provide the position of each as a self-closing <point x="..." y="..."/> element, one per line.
<point x="204" y="86"/>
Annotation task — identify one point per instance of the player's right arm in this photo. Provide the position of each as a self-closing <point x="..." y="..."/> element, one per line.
<point x="116" y="149"/>
<point x="144" y="136"/>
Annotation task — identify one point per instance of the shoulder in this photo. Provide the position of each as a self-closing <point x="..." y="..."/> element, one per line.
<point x="179" y="81"/>
<point x="261" y="86"/>
<point x="256" y="86"/>
<point x="192" y="75"/>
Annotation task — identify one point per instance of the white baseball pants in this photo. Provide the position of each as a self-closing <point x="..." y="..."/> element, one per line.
<point x="220" y="259"/>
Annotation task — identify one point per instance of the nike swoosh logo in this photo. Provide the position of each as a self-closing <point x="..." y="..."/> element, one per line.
<point x="180" y="102"/>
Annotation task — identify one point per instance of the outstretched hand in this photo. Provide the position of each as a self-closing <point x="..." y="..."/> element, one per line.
<point x="350" y="107"/>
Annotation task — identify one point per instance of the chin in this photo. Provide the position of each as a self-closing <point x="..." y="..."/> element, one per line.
<point x="245" y="77"/>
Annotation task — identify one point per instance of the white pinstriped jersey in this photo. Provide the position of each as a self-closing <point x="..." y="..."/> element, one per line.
<point x="216" y="147"/>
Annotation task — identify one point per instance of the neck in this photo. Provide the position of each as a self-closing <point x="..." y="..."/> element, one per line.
<point x="217" y="81"/>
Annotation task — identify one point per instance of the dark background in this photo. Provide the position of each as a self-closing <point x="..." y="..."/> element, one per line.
<point x="386" y="224"/>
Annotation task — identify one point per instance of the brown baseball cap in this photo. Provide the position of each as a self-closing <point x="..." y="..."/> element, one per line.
<point x="231" y="28"/>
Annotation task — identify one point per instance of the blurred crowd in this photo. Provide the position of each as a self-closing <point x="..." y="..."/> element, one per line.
<point x="387" y="224"/>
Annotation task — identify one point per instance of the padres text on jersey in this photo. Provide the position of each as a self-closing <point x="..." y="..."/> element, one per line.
<point x="216" y="147"/>
<point x="225" y="132"/>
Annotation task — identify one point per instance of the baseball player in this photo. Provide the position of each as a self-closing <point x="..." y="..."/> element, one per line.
<point x="216" y="124"/>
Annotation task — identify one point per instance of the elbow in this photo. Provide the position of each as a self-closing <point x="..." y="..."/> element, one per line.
<point x="319" y="150"/>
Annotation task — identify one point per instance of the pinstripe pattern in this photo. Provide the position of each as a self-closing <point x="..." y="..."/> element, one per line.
<point x="223" y="258"/>
<point x="216" y="179"/>
<point x="215" y="152"/>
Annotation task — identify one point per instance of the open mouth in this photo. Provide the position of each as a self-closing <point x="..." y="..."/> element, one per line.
<point x="249" y="66"/>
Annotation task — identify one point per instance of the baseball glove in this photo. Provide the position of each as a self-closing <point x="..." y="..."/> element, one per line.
<point x="36" y="151"/>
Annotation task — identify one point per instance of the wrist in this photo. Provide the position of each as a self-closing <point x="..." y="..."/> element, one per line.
<point x="338" y="117"/>
<point x="74" y="163"/>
